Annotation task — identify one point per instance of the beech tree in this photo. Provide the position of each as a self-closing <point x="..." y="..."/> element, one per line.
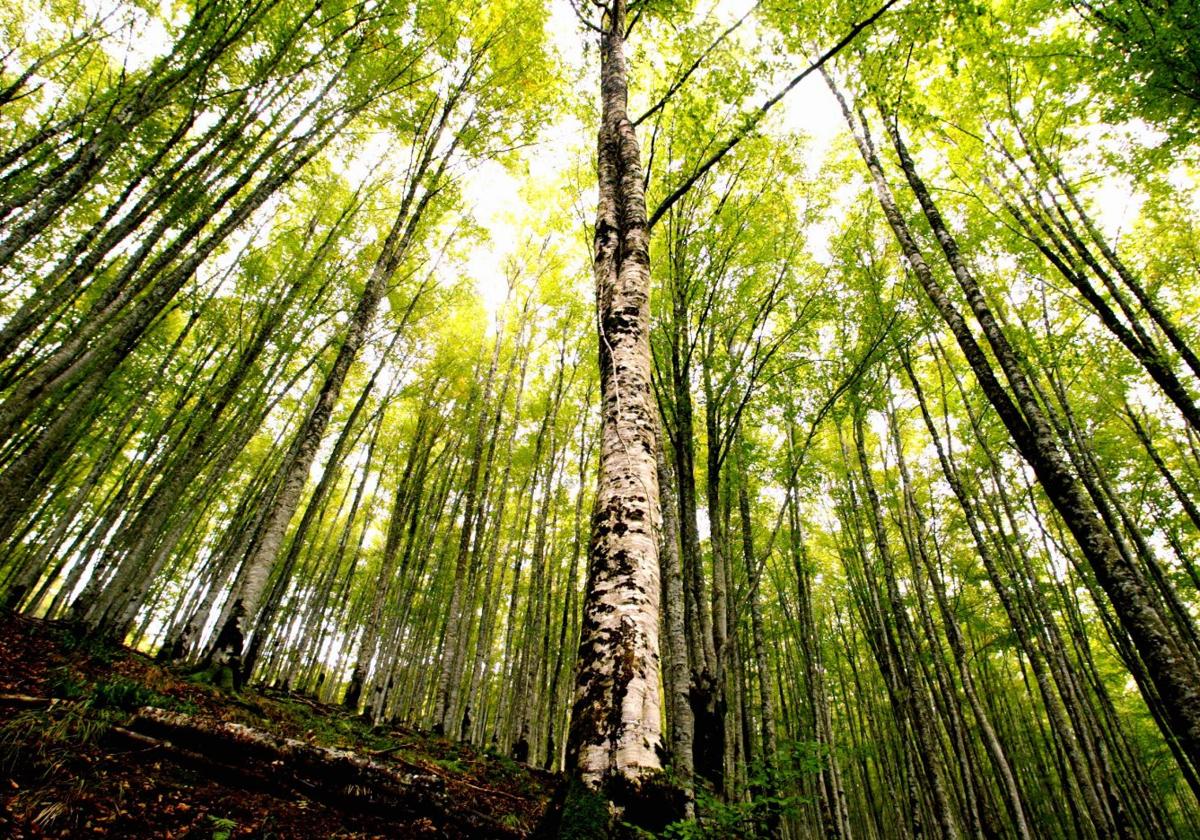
<point x="840" y="476"/>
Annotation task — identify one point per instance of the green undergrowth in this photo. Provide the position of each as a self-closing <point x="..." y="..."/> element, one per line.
<point x="38" y="742"/>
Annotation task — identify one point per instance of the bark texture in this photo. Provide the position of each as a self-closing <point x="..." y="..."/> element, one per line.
<point x="616" y="724"/>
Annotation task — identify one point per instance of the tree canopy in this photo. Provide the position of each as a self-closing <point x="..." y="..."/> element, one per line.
<point x="780" y="417"/>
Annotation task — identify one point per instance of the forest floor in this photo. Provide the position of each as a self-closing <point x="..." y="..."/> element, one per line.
<point x="100" y="741"/>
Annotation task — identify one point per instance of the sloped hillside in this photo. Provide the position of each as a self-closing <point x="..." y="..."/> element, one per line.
<point x="98" y="741"/>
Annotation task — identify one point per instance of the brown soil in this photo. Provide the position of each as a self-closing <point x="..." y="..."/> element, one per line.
<point x="66" y="769"/>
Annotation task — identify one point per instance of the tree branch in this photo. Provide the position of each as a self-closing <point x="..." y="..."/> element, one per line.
<point x="678" y="83"/>
<point x="755" y="117"/>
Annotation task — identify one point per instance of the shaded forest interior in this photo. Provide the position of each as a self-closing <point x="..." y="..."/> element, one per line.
<point x="698" y="419"/>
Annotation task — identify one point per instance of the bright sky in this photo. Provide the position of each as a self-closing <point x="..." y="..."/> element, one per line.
<point x="493" y="194"/>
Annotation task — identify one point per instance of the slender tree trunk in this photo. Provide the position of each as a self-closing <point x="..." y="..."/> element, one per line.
<point x="679" y="681"/>
<point x="1174" y="672"/>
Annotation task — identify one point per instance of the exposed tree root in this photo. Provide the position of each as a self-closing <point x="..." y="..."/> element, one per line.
<point x="27" y="701"/>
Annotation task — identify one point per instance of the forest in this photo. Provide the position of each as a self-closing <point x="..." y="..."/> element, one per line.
<point x="772" y="419"/>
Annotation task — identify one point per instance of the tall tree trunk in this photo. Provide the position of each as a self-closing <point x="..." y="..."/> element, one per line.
<point x="1175" y="674"/>
<point x="678" y="679"/>
<point x="616" y="719"/>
